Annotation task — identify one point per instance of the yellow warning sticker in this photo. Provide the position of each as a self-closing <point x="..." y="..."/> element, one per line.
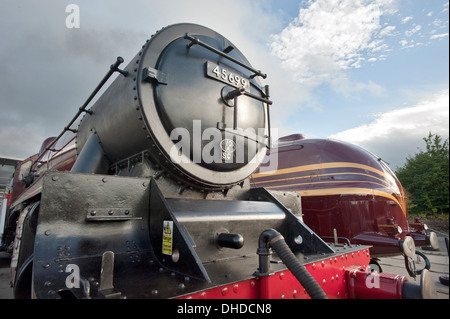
<point x="167" y="237"/>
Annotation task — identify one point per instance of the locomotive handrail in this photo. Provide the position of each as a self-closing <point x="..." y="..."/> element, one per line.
<point x="113" y="68"/>
<point x="234" y="94"/>
<point x="223" y="54"/>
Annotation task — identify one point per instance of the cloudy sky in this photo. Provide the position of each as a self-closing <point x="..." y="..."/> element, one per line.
<point x="370" y="72"/>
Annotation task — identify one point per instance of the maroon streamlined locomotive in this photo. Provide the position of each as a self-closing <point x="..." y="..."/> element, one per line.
<point x="147" y="194"/>
<point x="347" y="193"/>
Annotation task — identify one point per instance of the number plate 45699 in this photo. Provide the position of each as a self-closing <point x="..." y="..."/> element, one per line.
<point x="225" y="75"/>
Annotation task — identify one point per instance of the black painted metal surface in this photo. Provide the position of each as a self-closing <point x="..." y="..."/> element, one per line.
<point x="160" y="247"/>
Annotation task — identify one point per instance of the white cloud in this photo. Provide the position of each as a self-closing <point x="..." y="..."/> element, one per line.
<point x="409" y="33"/>
<point x="329" y="37"/>
<point x="437" y="22"/>
<point x="438" y="36"/>
<point x="396" y="134"/>
<point x="406" y="19"/>
<point x="389" y="30"/>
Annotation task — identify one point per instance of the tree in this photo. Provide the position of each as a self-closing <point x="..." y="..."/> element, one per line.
<point x="425" y="176"/>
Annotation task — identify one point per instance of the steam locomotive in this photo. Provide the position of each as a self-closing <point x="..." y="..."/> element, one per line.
<point x="349" y="194"/>
<point x="147" y="194"/>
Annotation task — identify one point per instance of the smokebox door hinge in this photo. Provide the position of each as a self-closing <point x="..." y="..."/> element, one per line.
<point x="152" y="75"/>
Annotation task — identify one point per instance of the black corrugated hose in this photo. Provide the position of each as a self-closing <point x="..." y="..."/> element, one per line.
<point x="308" y="282"/>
